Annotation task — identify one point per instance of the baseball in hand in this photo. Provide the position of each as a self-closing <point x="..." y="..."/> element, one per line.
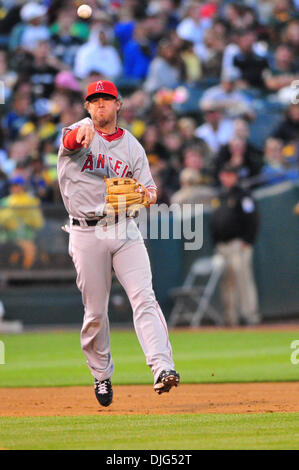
<point x="84" y="11"/>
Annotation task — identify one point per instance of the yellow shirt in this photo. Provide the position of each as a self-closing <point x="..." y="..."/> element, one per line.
<point x="21" y="209"/>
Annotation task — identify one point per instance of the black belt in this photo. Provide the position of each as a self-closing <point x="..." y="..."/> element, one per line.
<point x="93" y="222"/>
<point x="89" y="222"/>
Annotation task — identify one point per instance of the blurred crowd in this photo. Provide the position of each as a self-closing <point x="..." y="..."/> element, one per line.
<point x="237" y="55"/>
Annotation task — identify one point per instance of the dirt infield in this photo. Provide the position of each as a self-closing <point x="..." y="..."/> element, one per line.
<point x="201" y="398"/>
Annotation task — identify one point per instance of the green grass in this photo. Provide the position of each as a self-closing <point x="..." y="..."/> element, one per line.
<point x="55" y="359"/>
<point x="251" y="431"/>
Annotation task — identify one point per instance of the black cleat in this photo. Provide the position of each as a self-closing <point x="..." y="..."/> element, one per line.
<point x="166" y="380"/>
<point x="103" y="391"/>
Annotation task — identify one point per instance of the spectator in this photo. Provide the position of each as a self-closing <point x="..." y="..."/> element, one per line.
<point x="157" y="28"/>
<point x="152" y="144"/>
<point x="290" y="36"/>
<point x="39" y="185"/>
<point x="240" y="154"/>
<point x="18" y="153"/>
<point x="250" y="18"/>
<point x="193" y="26"/>
<point x="163" y="196"/>
<point x="23" y="88"/>
<point x="192" y="190"/>
<point x="32" y="30"/>
<point x="49" y="157"/>
<point x="196" y="156"/>
<point x="174" y="147"/>
<point x="167" y="70"/>
<point x="4" y="188"/>
<point x="41" y="70"/>
<point x="100" y="21"/>
<point x="130" y="118"/>
<point x="288" y="129"/>
<point x="216" y="130"/>
<point x="229" y="100"/>
<point x="187" y="127"/>
<point x="11" y="17"/>
<point x="234" y="226"/>
<point x="166" y="120"/>
<point x="192" y="63"/>
<point x="65" y="43"/>
<point x="173" y="144"/>
<point x="167" y="11"/>
<point x="45" y="112"/>
<point x="210" y="52"/>
<point x="124" y="27"/>
<point x="273" y="152"/>
<point x="98" y="55"/>
<point x="284" y="71"/>
<point x="21" y="219"/>
<point x="241" y="128"/>
<point x="66" y="82"/>
<point x="31" y="140"/>
<point x="7" y="77"/>
<point x="138" y="53"/>
<point x="275" y="168"/>
<point x="6" y="164"/>
<point x="18" y="115"/>
<point x="265" y="9"/>
<point x="233" y="14"/>
<point x="281" y="14"/>
<point x="141" y="102"/>
<point x="250" y="65"/>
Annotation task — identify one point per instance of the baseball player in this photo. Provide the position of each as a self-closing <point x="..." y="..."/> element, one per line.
<point x="91" y="151"/>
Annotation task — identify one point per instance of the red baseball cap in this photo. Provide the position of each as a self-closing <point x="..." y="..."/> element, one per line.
<point x="101" y="86"/>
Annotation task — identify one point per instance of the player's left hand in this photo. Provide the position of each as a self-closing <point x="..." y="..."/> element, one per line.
<point x="149" y="195"/>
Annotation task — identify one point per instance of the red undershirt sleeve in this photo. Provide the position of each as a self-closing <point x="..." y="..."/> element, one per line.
<point x="69" y="140"/>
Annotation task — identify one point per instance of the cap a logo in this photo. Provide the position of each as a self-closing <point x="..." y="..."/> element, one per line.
<point x="100" y="86"/>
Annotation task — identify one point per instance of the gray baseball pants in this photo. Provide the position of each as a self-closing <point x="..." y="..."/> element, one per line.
<point x="95" y="251"/>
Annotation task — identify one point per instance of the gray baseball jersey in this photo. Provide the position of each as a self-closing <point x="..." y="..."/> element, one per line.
<point x="81" y="172"/>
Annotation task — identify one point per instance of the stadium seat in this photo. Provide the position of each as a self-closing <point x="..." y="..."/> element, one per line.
<point x="193" y="299"/>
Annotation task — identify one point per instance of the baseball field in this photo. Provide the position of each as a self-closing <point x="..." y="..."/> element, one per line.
<point x="239" y="390"/>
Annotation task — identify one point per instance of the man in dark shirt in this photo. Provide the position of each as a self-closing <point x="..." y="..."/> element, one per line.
<point x="251" y="65"/>
<point x="288" y="129"/>
<point x="40" y="69"/>
<point x="234" y="226"/>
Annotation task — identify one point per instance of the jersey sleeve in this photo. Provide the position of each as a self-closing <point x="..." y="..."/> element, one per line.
<point x="64" y="151"/>
<point x="69" y="140"/>
<point x="142" y="171"/>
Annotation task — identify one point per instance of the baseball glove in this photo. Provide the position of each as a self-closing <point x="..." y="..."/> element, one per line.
<point x="125" y="195"/>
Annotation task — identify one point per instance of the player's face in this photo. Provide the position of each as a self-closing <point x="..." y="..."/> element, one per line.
<point x="103" y="109"/>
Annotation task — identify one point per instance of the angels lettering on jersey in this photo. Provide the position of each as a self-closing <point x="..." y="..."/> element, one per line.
<point x="103" y="164"/>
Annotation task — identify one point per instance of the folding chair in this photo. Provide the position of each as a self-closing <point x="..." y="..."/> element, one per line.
<point x="193" y="299"/>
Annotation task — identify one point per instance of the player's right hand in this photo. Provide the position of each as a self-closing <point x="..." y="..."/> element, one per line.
<point x="85" y="135"/>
